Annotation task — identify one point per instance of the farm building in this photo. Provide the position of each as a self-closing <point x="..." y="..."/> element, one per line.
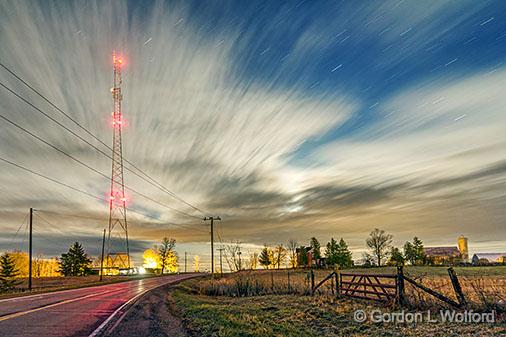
<point x="449" y="255"/>
<point x="443" y="255"/>
<point x="311" y="261"/>
<point x="488" y="258"/>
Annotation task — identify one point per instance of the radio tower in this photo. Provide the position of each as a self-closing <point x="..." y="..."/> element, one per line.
<point x="118" y="230"/>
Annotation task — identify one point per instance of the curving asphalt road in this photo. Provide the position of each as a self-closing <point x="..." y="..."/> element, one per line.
<point x="77" y="312"/>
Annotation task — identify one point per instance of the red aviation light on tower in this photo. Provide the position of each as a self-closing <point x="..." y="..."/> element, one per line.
<point x="118" y="60"/>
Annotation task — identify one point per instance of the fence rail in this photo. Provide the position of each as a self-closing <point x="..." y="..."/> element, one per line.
<point x="388" y="288"/>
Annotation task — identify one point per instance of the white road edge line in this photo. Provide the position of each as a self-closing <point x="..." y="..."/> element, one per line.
<point x="98" y="330"/>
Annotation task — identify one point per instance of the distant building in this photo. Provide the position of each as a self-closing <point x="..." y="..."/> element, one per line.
<point x="311" y="261"/>
<point x="462" y="242"/>
<point x="488" y="258"/>
<point x="443" y="255"/>
<point x="449" y="255"/>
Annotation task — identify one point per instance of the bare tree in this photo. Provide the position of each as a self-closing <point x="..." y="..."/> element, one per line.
<point x="233" y="255"/>
<point x="279" y="255"/>
<point x="253" y="261"/>
<point x="379" y="242"/>
<point x="292" y="248"/>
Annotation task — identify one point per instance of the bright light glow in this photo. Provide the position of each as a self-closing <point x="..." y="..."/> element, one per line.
<point x="142" y="270"/>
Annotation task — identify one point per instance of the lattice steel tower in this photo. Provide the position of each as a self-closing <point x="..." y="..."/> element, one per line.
<point x="117" y="238"/>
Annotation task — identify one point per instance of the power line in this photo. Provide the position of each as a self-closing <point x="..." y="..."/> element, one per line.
<point x="128" y="209"/>
<point x="90" y="167"/>
<point x="19" y="228"/>
<point x="152" y="180"/>
<point x="89" y="194"/>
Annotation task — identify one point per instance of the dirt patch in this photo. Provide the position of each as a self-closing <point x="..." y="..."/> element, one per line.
<point x="152" y="315"/>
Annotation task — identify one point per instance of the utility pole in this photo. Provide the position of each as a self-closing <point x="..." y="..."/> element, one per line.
<point x="102" y="258"/>
<point x="185" y="253"/>
<point x="212" y="240"/>
<point x="239" y="253"/>
<point x="221" y="263"/>
<point x="30" y="255"/>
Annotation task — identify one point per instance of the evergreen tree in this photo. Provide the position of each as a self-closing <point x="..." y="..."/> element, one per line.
<point x="413" y="252"/>
<point x="315" y="248"/>
<point x="420" y="254"/>
<point x="265" y="257"/>
<point x="8" y="273"/>
<point x="331" y="252"/>
<point x="396" y="257"/>
<point x="75" y="262"/>
<point x="344" y="256"/>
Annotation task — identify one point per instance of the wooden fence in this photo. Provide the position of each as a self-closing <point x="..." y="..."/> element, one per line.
<point x="389" y="288"/>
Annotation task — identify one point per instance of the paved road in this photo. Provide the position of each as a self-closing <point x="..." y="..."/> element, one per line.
<point x="76" y="312"/>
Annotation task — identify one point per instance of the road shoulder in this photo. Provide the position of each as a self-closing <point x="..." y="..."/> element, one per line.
<point x="152" y="315"/>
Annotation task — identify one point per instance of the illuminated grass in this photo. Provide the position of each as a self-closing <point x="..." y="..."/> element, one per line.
<point x="293" y="315"/>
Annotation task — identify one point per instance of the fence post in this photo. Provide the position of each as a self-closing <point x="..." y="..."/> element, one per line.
<point x="456" y="287"/>
<point x="337" y="275"/>
<point x="400" y="286"/>
<point x="332" y="283"/>
<point x="312" y="282"/>
<point x="288" y="276"/>
<point x="272" y="281"/>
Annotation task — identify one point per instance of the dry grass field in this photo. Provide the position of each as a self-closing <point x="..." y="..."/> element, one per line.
<point x="265" y="303"/>
<point x="483" y="287"/>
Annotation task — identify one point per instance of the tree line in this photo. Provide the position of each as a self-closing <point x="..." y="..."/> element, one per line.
<point x="75" y="262"/>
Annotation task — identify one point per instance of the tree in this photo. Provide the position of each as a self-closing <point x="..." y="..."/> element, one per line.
<point x="253" y="261"/>
<point x="279" y="255"/>
<point x="379" y="243"/>
<point x="414" y="253"/>
<point x="265" y="258"/>
<point x="151" y="259"/>
<point x="315" y="248"/>
<point x="331" y="252"/>
<point x="396" y="257"/>
<point x="8" y="273"/>
<point x="232" y="255"/>
<point x="196" y="263"/>
<point x="292" y="248"/>
<point x="344" y="256"/>
<point x="75" y="262"/>
<point x="20" y="260"/>
<point x="167" y="255"/>
<point x="303" y="258"/>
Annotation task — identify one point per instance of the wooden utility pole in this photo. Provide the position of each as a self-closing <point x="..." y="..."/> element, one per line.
<point x="30" y="255"/>
<point x="102" y="258"/>
<point x="239" y="253"/>
<point x="185" y="254"/>
<point x="212" y="240"/>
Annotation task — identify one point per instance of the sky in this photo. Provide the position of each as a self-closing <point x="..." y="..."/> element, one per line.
<point x="288" y="119"/>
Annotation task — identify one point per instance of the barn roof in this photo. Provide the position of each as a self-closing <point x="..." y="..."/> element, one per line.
<point x="492" y="257"/>
<point x="441" y="251"/>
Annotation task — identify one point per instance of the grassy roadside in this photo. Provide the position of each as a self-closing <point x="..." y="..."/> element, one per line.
<point x="295" y="315"/>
